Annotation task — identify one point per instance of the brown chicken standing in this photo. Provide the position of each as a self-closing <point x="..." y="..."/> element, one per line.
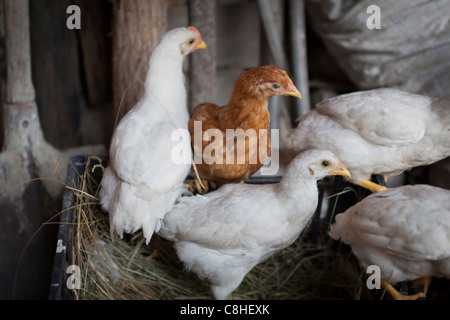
<point x="247" y="110"/>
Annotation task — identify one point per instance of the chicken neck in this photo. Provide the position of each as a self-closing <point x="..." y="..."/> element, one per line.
<point x="292" y="191"/>
<point x="164" y="85"/>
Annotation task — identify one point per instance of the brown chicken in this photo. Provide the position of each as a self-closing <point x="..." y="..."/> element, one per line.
<point x="223" y="136"/>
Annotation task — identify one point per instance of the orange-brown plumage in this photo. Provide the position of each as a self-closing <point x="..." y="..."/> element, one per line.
<point x="246" y="110"/>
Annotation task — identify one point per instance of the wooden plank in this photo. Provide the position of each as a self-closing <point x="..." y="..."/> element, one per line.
<point x="203" y="64"/>
<point x="95" y="45"/>
<point x="137" y="27"/>
<point x="55" y="71"/>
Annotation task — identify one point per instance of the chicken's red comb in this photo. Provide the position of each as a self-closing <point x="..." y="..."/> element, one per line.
<point x="195" y="30"/>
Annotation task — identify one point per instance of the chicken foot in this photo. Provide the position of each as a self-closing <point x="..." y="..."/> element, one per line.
<point x="397" y="295"/>
<point x="201" y="186"/>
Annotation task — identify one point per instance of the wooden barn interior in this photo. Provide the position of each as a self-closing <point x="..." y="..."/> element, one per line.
<point x="64" y="89"/>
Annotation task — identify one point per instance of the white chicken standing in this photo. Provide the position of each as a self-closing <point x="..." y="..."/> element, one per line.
<point x="405" y="231"/>
<point x="142" y="181"/>
<point x="382" y="131"/>
<point x="223" y="234"/>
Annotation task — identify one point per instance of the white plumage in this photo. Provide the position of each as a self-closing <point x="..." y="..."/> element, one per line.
<point x="383" y="131"/>
<point x="142" y="181"/>
<point x="404" y="230"/>
<point x="222" y="235"/>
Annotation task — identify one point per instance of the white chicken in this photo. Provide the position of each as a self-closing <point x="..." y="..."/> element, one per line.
<point x="382" y="131"/>
<point x="142" y="181"/>
<point x="223" y="234"/>
<point x="405" y="231"/>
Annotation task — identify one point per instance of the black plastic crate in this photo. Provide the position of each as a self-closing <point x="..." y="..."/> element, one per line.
<point x="81" y="164"/>
<point x="78" y="165"/>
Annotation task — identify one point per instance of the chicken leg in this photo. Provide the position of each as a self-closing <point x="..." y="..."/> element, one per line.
<point x="369" y="185"/>
<point x="424" y="282"/>
<point x="397" y="295"/>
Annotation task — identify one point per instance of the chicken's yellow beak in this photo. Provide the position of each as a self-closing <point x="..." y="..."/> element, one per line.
<point x="293" y="91"/>
<point x="201" y="45"/>
<point x="341" y="171"/>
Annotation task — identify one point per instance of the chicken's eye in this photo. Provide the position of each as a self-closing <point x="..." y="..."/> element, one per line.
<point x="275" y="86"/>
<point x="191" y="41"/>
<point x="325" y="163"/>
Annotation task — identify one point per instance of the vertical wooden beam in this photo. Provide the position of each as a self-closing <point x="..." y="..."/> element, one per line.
<point x="25" y="255"/>
<point x="137" y="27"/>
<point x="19" y="87"/>
<point x="272" y="17"/>
<point x="273" y="22"/>
<point x="203" y="64"/>
<point x="299" y="58"/>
